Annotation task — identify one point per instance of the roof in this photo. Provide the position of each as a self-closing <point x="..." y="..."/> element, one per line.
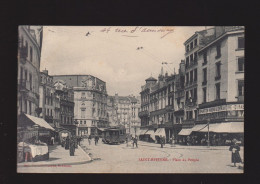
<point x="151" y="79"/>
<point x="133" y="99"/>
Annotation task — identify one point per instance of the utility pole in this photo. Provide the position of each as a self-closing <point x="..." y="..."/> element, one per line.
<point x="208" y="133"/>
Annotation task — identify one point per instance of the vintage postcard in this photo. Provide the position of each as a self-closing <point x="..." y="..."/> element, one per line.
<point x="130" y="99"/>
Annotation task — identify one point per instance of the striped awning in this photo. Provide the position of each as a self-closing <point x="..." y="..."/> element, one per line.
<point x="160" y="131"/>
<point x="186" y="131"/>
<point x="227" y="127"/>
<point x="39" y="121"/>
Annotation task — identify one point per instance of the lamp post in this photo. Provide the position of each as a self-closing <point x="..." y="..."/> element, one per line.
<point x="208" y="133"/>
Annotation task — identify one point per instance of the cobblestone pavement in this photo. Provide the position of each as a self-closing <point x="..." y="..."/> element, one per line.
<point x="150" y="158"/>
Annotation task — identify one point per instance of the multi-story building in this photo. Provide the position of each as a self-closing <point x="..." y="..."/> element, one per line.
<point x="64" y="105"/>
<point x="221" y="80"/>
<point x="192" y="45"/>
<point x="47" y="98"/>
<point x="90" y="98"/>
<point x="112" y="111"/>
<point x="179" y="99"/>
<point x="124" y="110"/>
<point x="135" y="109"/>
<point x="157" y="113"/>
<point x="220" y="84"/>
<point x="145" y="100"/>
<point x="29" y="54"/>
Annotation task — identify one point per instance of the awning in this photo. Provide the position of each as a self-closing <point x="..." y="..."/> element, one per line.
<point x="142" y="131"/>
<point x="186" y="131"/>
<point x="101" y="129"/>
<point x="151" y="133"/>
<point x="160" y="131"/>
<point x="212" y="127"/>
<point x="199" y="128"/>
<point x="228" y="127"/>
<point x="39" y="121"/>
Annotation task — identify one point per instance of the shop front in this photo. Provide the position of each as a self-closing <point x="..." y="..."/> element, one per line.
<point x="142" y="133"/>
<point x="31" y="143"/>
<point x="160" y="132"/>
<point x="149" y="136"/>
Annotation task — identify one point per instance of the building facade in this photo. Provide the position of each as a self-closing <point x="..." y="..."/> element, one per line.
<point x="123" y="110"/>
<point x="47" y="102"/>
<point x="219" y="112"/>
<point x="192" y="45"/>
<point x="64" y="106"/>
<point x="90" y="98"/>
<point x="164" y="95"/>
<point x="29" y="54"/>
<point x="221" y="87"/>
<point x="179" y="100"/>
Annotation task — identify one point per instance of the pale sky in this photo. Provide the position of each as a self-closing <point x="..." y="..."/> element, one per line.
<point x="113" y="56"/>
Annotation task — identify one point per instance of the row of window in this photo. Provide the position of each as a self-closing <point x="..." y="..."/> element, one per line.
<point x="26" y="49"/>
<point x="66" y="120"/>
<point x="25" y="109"/>
<point x="26" y="76"/>
<point x="191" y="59"/>
<point x="191" y="45"/>
<point x="240" y="88"/>
<point x="191" y="94"/>
<point x="191" y="76"/>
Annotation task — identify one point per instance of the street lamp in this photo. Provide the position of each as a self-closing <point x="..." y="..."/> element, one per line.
<point x="208" y="133"/>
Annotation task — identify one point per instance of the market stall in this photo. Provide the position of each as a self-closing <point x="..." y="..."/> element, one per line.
<point x="34" y="152"/>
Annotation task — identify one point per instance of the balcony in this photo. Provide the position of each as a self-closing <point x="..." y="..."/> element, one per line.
<point x="204" y="83"/>
<point x="192" y="63"/>
<point x="218" y="77"/>
<point x="23" y="85"/>
<point x="143" y="113"/>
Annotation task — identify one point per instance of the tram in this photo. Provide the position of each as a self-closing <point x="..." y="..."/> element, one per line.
<point x="114" y="135"/>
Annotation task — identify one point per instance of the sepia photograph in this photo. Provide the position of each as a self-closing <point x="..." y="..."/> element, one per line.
<point x="130" y="99"/>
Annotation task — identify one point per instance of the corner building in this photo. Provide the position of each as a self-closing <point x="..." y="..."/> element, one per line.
<point x="90" y="98"/>
<point x="29" y="54"/>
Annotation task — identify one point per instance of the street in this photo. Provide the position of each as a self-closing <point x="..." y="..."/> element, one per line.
<point x="149" y="158"/>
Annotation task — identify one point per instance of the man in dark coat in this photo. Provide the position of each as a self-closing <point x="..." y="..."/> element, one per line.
<point x="72" y="146"/>
<point x="96" y="139"/>
<point x="235" y="157"/>
<point x="67" y="143"/>
<point x="135" y="142"/>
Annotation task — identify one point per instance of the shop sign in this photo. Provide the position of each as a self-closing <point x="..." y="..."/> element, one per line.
<point x="221" y="108"/>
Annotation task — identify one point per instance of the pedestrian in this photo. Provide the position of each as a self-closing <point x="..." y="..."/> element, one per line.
<point x="96" y="139"/>
<point x="188" y="140"/>
<point x="52" y="140"/>
<point x="72" y="146"/>
<point x="135" y="142"/>
<point x="161" y="141"/>
<point x="235" y="156"/>
<point x="67" y="143"/>
<point x="89" y="139"/>
<point x="126" y="140"/>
